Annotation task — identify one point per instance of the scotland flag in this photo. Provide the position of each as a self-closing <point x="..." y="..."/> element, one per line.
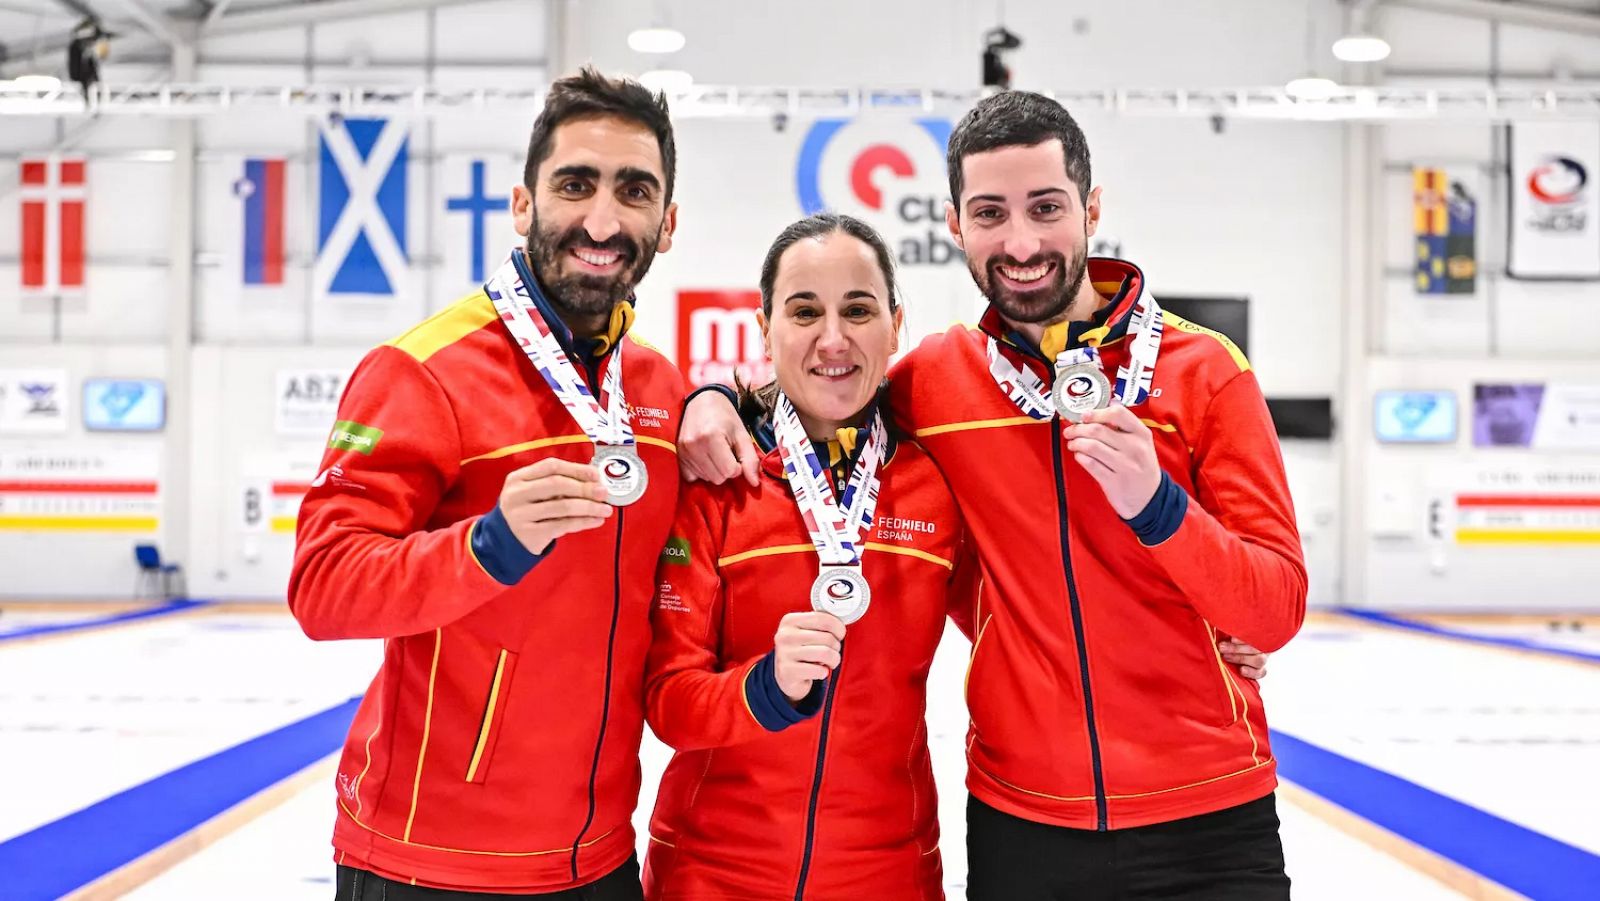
<point x="361" y="215"/>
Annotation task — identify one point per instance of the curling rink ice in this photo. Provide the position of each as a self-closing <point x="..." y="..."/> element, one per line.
<point x="1422" y="758"/>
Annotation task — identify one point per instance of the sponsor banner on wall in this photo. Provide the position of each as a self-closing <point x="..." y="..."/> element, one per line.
<point x="111" y="488"/>
<point x="1528" y="505"/>
<point x="1555" y="200"/>
<point x="307" y="401"/>
<point x="474" y="206"/>
<point x="33" y="400"/>
<point x="719" y="336"/>
<point x="887" y="170"/>
<point x="1554" y="416"/>
<point x="124" y="405"/>
<point x="1444" y="205"/>
<point x="271" y="486"/>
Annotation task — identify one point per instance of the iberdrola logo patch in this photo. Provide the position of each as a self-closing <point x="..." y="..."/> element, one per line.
<point x="353" y="436"/>
<point x="676" y="551"/>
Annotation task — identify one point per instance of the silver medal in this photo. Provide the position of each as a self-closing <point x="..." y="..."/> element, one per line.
<point x="841" y="591"/>
<point x="622" y="472"/>
<point x="1080" y="388"/>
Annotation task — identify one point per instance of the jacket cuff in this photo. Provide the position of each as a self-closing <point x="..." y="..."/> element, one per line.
<point x="499" y="552"/>
<point x="770" y="706"/>
<point x="1160" y="519"/>
<point x="724" y="390"/>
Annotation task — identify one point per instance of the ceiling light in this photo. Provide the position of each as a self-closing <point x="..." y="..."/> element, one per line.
<point x="1361" y="48"/>
<point x="655" y="40"/>
<point x="669" y="81"/>
<point x="1311" y="87"/>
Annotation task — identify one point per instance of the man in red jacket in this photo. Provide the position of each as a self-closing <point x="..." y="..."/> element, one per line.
<point x="1121" y="478"/>
<point x="498" y="488"/>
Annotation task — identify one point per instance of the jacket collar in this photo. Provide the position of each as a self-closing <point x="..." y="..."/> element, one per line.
<point x="1118" y="280"/>
<point x="845" y="450"/>
<point x="622" y="317"/>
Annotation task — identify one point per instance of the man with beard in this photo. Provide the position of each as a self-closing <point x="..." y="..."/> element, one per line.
<point x="492" y="504"/>
<point x="1119" y="472"/>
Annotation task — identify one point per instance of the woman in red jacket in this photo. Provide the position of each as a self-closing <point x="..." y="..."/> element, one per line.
<point x="797" y="619"/>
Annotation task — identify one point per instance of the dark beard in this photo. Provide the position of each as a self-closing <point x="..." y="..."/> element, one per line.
<point x="580" y="293"/>
<point x="1044" y="305"/>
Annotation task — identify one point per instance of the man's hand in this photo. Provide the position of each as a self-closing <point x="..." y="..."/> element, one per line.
<point x="712" y="442"/>
<point x="807" y="648"/>
<point x="552" y="498"/>
<point x="1119" y="451"/>
<point x="1251" y="662"/>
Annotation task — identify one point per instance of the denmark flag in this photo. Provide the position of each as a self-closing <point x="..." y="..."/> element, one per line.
<point x="52" y="224"/>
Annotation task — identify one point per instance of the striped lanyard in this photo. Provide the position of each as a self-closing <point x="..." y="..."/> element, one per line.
<point x="513" y="300"/>
<point x="1134" y="378"/>
<point x="836" y="527"/>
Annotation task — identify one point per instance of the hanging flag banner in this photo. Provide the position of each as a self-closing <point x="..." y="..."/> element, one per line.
<point x="361" y="210"/>
<point x="1555" y="200"/>
<point x="475" y="203"/>
<point x="53" y="197"/>
<point x="112" y="489"/>
<point x="33" y="400"/>
<point x="1445" y="217"/>
<point x="259" y="188"/>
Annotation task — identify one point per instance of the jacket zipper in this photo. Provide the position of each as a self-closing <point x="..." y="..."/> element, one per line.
<point x="1077" y="625"/>
<point x="816" y="779"/>
<point x="605" y="704"/>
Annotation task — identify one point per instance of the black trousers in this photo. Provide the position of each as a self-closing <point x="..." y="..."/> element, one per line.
<point x="621" y="884"/>
<point x="1229" y="855"/>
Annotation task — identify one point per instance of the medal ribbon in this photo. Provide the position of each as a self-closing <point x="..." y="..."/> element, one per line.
<point x="1030" y="394"/>
<point x="513" y="300"/>
<point x="836" y="527"/>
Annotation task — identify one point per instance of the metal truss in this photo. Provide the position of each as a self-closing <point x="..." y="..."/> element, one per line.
<point x="1382" y="103"/>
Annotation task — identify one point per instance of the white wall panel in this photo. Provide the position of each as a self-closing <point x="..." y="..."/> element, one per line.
<point x="94" y="564"/>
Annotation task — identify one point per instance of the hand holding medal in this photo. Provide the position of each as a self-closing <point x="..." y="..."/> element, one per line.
<point x="806" y="647"/>
<point x="1120" y="452"/>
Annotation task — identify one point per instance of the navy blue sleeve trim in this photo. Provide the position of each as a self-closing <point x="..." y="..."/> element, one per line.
<point x="770" y="705"/>
<point x="1160" y="518"/>
<point x="499" y="552"/>
<point x="724" y="390"/>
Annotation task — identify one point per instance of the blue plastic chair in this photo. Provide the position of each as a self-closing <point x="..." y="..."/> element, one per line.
<point x="153" y="573"/>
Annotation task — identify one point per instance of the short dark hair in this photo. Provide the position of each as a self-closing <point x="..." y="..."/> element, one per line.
<point x="1017" y="119"/>
<point x="757" y="402"/>
<point x="589" y="94"/>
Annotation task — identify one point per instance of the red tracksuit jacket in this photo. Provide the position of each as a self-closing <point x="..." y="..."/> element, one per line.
<point x="1097" y="696"/>
<point x="834" y="800"/>
<point x="497" y="748"/>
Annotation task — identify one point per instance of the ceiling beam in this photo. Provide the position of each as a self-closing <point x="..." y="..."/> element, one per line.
<point x="77" y="8"/>
<point x="1535" y="15"/>
<point x="219" y="8"/>
<point x="152" y="22"/>
<point x="251" y="21"/>
<point x="290" y="15"/>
